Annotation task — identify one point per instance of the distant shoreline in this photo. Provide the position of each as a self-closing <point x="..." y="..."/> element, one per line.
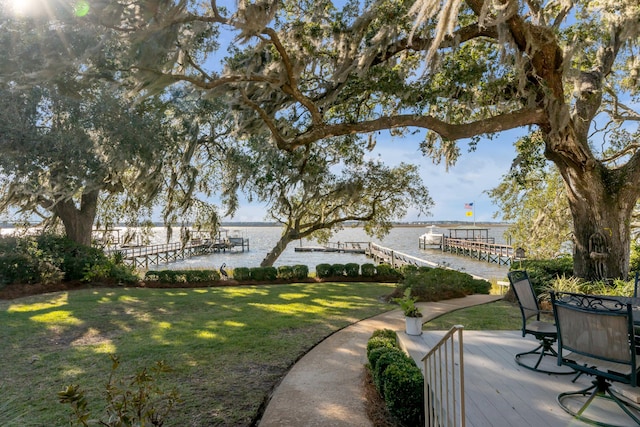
<point x="438" y="224"/>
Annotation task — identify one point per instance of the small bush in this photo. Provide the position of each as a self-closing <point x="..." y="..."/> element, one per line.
<point x="378" y="342"/>
<point x="542" y="273"/>
<point x="385" y="271"/>
<point x="262" y="274"/>
<point x="131" y="402"/>
<point x="338" y="270"/>
<point x="392" y="356"/>
<point x="285" y="272"/>
<point x="435" y="284"/>
<point x="368" y="270"/>
<point x="352" y="269"/>
<point x="241" y="274"/>
<point x="403" y="387"/>
<point x="324" y="270"/>
<point x="300" y="272"/>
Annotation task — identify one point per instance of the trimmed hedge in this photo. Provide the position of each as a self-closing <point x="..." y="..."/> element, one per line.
<point x="368" y="270"/>
<point x="324" y="270"/>
<point x="242" y="274"/>
<point x="300" y="272"/>
<point x="435" y="284"/>
<point x="397" y="378"/>
<point x="182" y="276"/>
<point x="352" y="269"/>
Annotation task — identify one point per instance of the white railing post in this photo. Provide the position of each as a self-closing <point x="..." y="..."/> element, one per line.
<point x="444" y="382"/>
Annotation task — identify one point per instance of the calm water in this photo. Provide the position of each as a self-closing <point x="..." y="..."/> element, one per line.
<point x="403" y="239"/>
<point x="262" y="240"/>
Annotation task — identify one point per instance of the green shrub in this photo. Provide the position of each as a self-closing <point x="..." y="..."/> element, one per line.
<point x="380" y="341"/>
<point x="542" y="273"/>
<point x="300" y="272"/>
<point x="385" y="333"/>
<point x="324" y="271"/>
<point x="262" y="274"/>
<point x="385" y="271"/>
<point x="392" y="356"/>
<point x="352" y="269"/>
<point x="285" y="272"/>
<point x="242" y="274"/>
<point x="368" y="270"/>
<point x="202" y="276"/>
<point x="152" y="276"/>
<point x="18" y="268"/>
<point x="403" y="387"/>
<point x="338" y="270"/>
<point x="435" y="284"/>
<point x="51" y="258"/>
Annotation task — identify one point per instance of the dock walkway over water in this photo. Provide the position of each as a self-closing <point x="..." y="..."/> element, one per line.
<point x="474" y="242"/>
<point x="343" y="247"/>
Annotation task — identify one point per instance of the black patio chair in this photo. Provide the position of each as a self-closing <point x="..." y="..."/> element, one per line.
<point x="596" y="337"/>
<point x="532" y="324"/>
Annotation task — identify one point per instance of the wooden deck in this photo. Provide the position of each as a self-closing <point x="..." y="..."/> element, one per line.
<point x="498" y="392"/>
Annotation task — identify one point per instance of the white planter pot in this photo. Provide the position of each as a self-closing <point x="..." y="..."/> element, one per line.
<point x="413" y="325"/>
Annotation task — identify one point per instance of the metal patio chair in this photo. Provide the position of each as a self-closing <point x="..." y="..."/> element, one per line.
<point x="596" y="337"/>
<point x="544" y="331"/>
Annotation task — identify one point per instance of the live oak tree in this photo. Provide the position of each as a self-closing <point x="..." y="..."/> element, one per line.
<point x="61" y="154"/>
<point x="314" y="191"/>
<point x="461" y="69"/>
<point x="310" y="70"/>
<point x="76" y="146"/>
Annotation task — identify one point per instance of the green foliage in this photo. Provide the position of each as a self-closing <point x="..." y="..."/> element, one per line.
<point x="324" y="270"/>
<point x="634" y="261"/>
<point x="136" y="401"/>
<point x="435" y="284"/>
<point x="542" y="273"/>
<point x="408" y="306"/>
<point x="242" y="274"/>
<point x="368" y="270"/>
<point x="262" y="274"/>
<point x="182" y="276"/>
<point x="338" y="270"/>
<point x="352" y="269"/>
<point x="50" y="258"/>
<point x="300" y="271"/>
<point x="380" y="342"/>
<point x="285" y="272"/>
<point x="403" y="386"/>
<point x="388" y="357"/>
<point x="386" y="272"/>
<point x="533" y="199"/>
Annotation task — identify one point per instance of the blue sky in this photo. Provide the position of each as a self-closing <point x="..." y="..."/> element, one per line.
<point x="465" y="182"/>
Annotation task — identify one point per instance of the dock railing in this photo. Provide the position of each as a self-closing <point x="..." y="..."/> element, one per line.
<point x="444" y="381"/>
<point x="395" y="258"/>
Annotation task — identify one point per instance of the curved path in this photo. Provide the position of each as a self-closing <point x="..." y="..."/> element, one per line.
<point x="325" y="387"/>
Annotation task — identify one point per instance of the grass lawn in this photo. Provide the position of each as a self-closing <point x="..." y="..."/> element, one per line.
<point x="495" y="316"/>
<point x="228" y="346"/>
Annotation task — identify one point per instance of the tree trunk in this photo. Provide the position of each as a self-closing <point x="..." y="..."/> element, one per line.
<point x="277" y="250"/>
<point x="601" y="206"/>
<point x="78" y="223"/>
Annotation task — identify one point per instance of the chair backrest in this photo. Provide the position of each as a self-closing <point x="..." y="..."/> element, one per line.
<point x="635" y="284"/>
<point x="525" y="295"/>
<point x="596" y="327"/>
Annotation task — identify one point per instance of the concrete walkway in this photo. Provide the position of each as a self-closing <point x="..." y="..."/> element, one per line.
<point x="325" y="387"/>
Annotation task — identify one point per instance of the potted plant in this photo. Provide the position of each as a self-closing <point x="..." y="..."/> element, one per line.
<point x="412" y="315"/>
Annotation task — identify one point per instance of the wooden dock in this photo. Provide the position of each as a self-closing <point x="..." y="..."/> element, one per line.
<point x="340" y="247"/>
<point x="144" y="256"/>
<point x="480" y="249"/>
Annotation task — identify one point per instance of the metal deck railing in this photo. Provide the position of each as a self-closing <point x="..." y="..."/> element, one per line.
<point x="444" y="381"/>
